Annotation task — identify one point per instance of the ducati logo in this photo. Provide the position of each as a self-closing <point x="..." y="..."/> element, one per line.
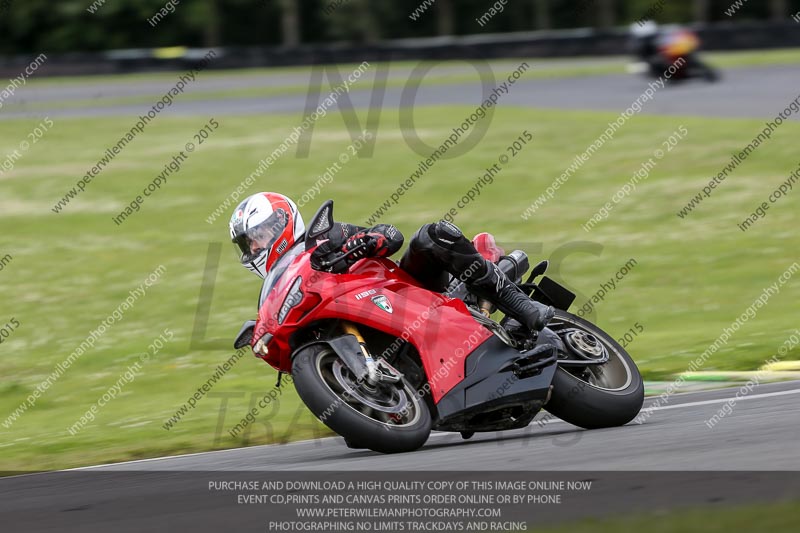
<point x="383" y="303"/>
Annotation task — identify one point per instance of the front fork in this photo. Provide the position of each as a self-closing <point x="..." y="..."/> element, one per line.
<point x="374" y="373"/>
<point x="372" y="368"/>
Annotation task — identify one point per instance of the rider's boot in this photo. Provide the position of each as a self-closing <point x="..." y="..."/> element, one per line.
<point x="502" y="292"/>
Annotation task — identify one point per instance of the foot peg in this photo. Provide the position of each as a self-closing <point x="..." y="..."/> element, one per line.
<point x="532" y="361"/>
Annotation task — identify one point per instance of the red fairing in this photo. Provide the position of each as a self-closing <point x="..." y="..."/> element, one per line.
<point x="378" y="294"/>
<point x="487" y="247"/>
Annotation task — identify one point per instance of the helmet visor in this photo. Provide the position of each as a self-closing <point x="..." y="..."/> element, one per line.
<point x="261" y="237"/>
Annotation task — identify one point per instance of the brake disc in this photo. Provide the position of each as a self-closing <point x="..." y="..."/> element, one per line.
<point x="583" y="344"/>
<point x="396" y="400"/>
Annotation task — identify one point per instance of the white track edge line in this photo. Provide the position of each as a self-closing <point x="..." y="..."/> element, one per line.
<point x="649" y="409"/>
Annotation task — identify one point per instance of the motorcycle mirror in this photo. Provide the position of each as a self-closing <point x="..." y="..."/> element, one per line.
<point x="245" y="336"/>
<point x="320" y="224"/>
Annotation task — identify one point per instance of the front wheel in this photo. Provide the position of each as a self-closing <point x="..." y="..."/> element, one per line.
<point x="387" y="418"/>
<point x="594" y="396"/>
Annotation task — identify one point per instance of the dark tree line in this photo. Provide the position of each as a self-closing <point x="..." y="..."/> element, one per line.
<point x="67" y="25"/>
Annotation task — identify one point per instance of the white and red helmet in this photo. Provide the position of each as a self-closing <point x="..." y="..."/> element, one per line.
<point x="263" y="227"/>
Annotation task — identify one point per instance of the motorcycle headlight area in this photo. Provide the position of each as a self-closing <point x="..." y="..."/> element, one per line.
<point x="293" y="298"/>
<point x="260" y="347"/>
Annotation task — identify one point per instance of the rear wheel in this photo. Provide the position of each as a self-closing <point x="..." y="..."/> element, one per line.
<point x="387" y="417"/>
<point x="710" y="74"/>
<point x="594" y="396"/>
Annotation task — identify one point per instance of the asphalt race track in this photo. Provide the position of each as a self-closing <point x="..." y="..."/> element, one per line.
<point x="754" y="92"/>
<point x="761" y="434"/>
<point x="737" y="461"/>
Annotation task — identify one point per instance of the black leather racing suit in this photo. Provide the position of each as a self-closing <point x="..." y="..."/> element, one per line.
<point x="435" y="251"/>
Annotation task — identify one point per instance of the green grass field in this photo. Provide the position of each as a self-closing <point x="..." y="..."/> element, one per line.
<point x="69" y="271"/>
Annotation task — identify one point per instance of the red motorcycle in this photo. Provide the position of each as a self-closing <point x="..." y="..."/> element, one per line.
<point x="382" y="361"/>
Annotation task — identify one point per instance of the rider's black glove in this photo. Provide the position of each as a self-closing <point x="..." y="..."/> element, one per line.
<point x="364" y="245"/>
<point x="357" y="247"/>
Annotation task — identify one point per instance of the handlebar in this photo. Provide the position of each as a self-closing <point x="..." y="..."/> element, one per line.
<point x="341" y="257"/>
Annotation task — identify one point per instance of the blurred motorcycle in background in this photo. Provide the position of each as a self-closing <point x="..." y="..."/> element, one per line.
<point x="656" y="49"/>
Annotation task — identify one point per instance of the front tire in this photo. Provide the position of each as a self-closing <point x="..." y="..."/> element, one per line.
<point x="602" y="396"/>
<point x="390" y="419"/>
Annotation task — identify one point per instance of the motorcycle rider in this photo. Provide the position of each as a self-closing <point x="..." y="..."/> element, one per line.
<point x="267" y="224"/>
<point x="645" y="35"/>
<point x="645" y="46"/>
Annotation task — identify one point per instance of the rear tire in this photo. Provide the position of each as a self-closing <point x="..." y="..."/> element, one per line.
<point x="710" y="74"/>
<point x="592" y="403"/>
<point x="320" y="390"/>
